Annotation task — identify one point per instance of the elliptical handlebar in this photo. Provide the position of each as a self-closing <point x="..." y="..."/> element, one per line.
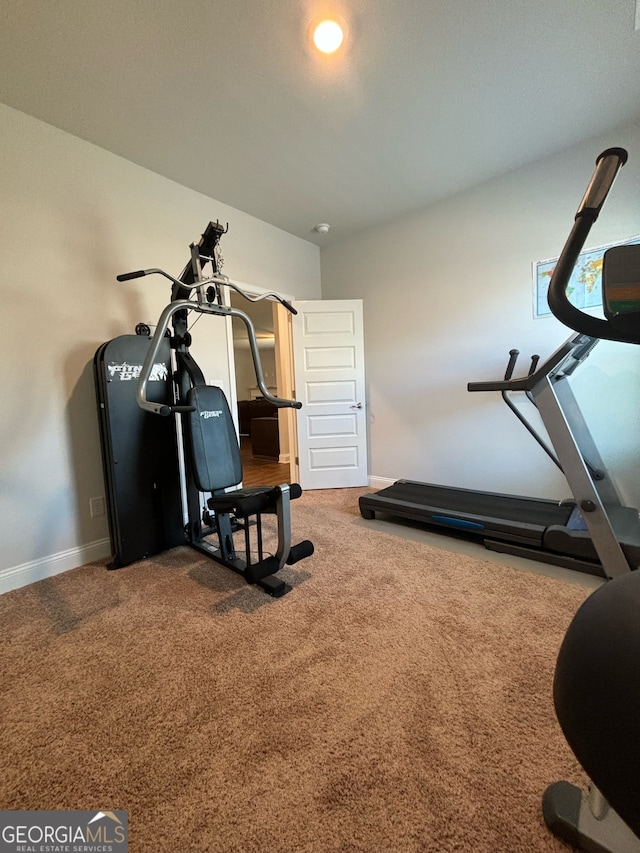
<point x="513" y="358"/>
<point x="608" y="164"/>
<point x="563" y="360"/>
<point x="534" y="364"/>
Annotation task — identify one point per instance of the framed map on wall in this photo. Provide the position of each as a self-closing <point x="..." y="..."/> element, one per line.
<point x="585" y="285"/>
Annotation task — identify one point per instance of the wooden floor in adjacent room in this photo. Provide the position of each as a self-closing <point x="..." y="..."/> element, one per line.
<point x="261" y="472"/>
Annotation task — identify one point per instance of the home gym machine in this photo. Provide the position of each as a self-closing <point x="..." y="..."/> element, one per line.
<point x="171" y="456"/>
<point x="596" y="686"/>
<point x="594" y="533"/>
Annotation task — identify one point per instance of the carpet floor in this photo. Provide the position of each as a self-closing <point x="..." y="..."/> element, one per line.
<point x="398" y="699"/>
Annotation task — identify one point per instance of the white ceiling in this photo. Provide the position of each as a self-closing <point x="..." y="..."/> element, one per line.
<point x="426" y="98"/>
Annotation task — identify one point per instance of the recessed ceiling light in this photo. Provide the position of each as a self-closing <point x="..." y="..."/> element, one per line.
<point x="328" y="36"/>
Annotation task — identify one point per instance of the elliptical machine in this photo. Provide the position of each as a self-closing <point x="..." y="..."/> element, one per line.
<point x="596" y="686"/>
<point x="159" y="418"/>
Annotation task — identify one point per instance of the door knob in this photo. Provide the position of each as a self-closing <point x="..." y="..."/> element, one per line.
<point x="357" y="406"/>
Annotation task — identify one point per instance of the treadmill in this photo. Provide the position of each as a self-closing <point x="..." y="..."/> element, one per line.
<point x="594" y="533"/>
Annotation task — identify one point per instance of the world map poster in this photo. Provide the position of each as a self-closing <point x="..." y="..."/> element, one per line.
<point x="584" y="290"/>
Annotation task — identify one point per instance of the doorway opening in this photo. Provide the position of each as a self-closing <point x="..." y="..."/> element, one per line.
<point x="268" y="436"/>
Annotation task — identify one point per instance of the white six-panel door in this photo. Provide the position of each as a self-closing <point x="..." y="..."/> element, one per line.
<point x="328" y="350"/>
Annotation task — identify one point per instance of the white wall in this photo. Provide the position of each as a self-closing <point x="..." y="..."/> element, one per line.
<point x="73" y="217"/>
<point x="448" y="292"/>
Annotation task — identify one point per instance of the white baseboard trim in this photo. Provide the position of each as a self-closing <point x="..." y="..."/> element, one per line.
<point x="380" y="482"/>
<point x="36" y="570"/>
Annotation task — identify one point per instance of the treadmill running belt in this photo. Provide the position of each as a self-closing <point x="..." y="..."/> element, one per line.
<point x="443" y="499"/>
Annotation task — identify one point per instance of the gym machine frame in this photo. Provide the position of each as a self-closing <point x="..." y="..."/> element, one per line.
<point x="205" y="440"/>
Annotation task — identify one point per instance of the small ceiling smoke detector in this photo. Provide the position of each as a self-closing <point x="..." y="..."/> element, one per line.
<point x="323" y="228"/>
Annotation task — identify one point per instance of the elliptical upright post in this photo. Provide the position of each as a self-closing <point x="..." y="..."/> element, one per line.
<point x="596" y="693"/>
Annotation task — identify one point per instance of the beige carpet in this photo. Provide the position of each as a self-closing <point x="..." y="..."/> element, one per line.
<point x="398" y="699"/>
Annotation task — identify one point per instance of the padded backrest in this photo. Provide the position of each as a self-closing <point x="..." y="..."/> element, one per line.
<point x="215" y="452"/>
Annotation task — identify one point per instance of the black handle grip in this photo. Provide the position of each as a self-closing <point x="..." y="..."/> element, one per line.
<point x="534" y="363"/>
<point x="513" y="357"/>
<point x="125" y="276"/>
<point x="289" y="306"/>
<point x="608" y="164"/>
<point x="165" y="411"/>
